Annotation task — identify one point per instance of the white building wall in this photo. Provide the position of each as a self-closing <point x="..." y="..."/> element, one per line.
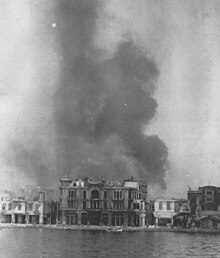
<point x="16" y="207"/>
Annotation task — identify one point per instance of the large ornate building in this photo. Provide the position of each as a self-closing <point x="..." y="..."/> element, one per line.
<point x="92" y="202"/>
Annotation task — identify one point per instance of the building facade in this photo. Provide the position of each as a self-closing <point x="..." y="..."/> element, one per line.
<point x="204" y="200"/>
<point x="166" y="210"/>
<point x="205" y="206"/>
<point x="35" y="206"/>
<point x="5" y="207"/>
<point x="101" y="202"/>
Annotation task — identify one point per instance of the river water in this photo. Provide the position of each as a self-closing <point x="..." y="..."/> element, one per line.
<point x="21" y="242"/>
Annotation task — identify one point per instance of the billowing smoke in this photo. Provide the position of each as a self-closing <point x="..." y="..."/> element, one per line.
<point x="95" y="124"/>
<point x="102" y="104"/>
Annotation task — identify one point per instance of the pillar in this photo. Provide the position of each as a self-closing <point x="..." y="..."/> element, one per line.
<point x="172" y="222"/>
<point x="13" y="218"/>
<point x="63" y="217"/>
<point x="109" y="219"/>
<point x="78" y="218"/>
<point x="143" y="220"/>
<point x="27" y="219"/>
<point x="132" y="220"/>
<point x="126" y="220"/>
<point x="156" y="222"/>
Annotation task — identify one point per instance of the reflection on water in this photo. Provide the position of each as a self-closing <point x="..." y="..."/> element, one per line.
<point x="30" y="243"/>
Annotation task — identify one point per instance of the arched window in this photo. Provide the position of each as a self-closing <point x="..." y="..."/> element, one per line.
<point x="95" y="194"/>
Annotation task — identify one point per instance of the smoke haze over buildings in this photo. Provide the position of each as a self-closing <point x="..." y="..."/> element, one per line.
<point x="109" y="88"/>
<point x="103" y="104"/>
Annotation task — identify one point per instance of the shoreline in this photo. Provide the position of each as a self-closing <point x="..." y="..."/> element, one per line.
<point x="103" y="228"/>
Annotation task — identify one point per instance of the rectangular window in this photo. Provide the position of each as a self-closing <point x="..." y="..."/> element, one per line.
<point x="168" y="205"/>
<point x="95" y="204"/>
<point x="117" y="205"/>
<point x="117" y="194"/>
<point x="105" y="205"/>
<point x="72" y="204"/>
<point x="136" y="206"/>
<point x="84" y="205"/>
<point x="160" y="205"/>
<point x="72" y="194"/>
<point x="209" y="199"/>
<point x="105" y="194"/>
<point x="30" y="206"/>
<point x="9" y="206"/>
<point x="114" y="194"/>
<point x="209" y="193"/>
<point x="19" y="207"/>
<point x="84" y="194"/>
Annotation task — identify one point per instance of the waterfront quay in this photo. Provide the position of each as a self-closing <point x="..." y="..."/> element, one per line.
<point x="89" y="204"/>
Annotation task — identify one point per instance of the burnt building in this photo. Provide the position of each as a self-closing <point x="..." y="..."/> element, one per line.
<point x="35" y="206"/>
<point x="167" y="212"/>
<point x="204" y="203"/>
<point x="204" y="200"/>
<point x="101" y="202"/>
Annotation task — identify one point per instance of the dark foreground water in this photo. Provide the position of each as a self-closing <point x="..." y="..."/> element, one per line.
<point x="30" y="243"/>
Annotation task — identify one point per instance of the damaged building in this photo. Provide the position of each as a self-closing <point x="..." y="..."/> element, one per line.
<point x="205" y="206"/>
<point x="101" y="202"/>
<point x="171" y="212"/>
<point x="35" y="206"/>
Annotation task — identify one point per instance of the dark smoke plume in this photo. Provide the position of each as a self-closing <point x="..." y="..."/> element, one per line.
<point x="100" y="109"/>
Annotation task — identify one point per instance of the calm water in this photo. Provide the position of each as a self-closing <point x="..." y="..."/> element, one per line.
<point x="57" y="243"/>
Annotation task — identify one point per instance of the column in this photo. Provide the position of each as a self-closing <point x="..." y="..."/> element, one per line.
<point x="27" y="218"/>
<point x="109" y="219"/>
<point x="143" y="220"/>
<point x="126" y="220"/>
<point x="13" y="218"/>
<point x="156" y="222"/>
<point x="63" y="217"/>
<point x="78" y="218"/>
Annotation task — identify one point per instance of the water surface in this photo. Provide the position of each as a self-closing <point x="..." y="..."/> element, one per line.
<point x="30" y="242"/>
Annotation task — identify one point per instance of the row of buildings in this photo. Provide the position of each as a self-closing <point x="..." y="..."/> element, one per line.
<point x="35" y="206"/>
<point x="111" y="203"/>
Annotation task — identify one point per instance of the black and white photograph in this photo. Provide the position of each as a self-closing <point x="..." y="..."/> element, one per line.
<point x="109" y="128"/>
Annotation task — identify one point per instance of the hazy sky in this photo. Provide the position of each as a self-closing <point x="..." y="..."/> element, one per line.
<point x="181" y="36"/>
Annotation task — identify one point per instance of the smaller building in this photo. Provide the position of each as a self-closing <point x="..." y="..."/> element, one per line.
<point x="5" y="207"/>
<point x="34" y="206"/>
<point x="19" y="211"/>
<point x="165" y="211"/>
<point x="34" y="212"/>
<point x="204" y="203"/>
